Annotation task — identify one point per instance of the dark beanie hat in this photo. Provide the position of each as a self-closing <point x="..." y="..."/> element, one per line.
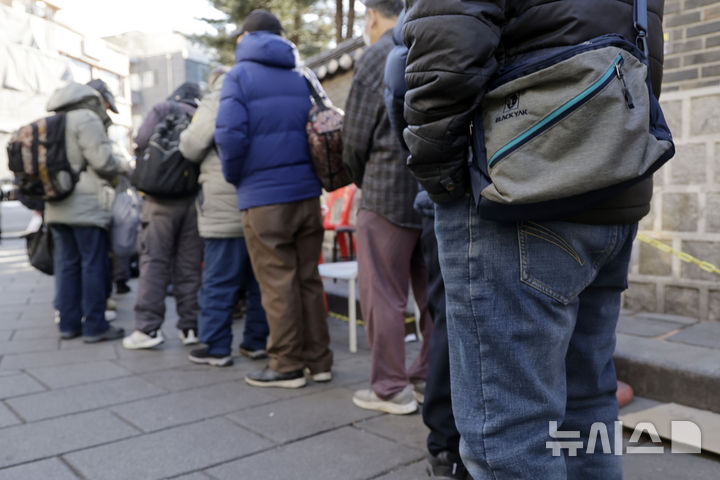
<point x="261" y="20"/>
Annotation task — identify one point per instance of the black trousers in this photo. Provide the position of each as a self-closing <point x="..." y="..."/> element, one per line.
<point x="437" y="408"/>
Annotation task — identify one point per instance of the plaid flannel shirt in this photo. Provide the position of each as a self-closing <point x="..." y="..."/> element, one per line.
<point x="371" y="148"/>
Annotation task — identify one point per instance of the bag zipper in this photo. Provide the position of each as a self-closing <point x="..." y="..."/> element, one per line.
<point x="615" y="71"/>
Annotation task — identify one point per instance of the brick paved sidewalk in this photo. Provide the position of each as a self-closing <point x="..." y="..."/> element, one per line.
<point x="70" y="410"/>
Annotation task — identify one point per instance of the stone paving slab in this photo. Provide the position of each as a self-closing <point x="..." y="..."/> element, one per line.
<point x="7" y="417"/>
<point x="171" y="452"/>
<point x="413" y="471"/>
<point x="45" y="331"/>
<point x="50" y="469"/>
<point x="191" y="405"/>
<point x="38" y="440"/>
<point x="78" y="373"/>
<point x="151" y="361"/>
<point x="82" y="398"/>
<point x="6" y="334"/>
<point x="663" y="317"/>
<point x="90" y="353"/>
<point x="705" y="334"/>
<point x="194" y="476"/>
<point x="190" y="376"/>
<point x="13" y="384"/>
<point x="407" y="430"/>
<point x="347" y="454"/>
<point x="304" y="416"/>
<point x="29" y="346"/>
<point x="645" y="327"/>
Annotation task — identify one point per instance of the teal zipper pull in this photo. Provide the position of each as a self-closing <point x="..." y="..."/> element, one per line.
<point x="621" y="77"/>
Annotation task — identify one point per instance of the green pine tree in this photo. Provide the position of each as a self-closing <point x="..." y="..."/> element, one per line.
<point x="311" y="37"/>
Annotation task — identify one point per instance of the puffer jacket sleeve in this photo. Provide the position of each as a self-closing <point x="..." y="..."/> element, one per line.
<point x="197" y="139"/>
<point x="97" y="149"/>
<point x="231" y="127"/>
<point x="451" y="57"/>
<point x="395" y="86"/>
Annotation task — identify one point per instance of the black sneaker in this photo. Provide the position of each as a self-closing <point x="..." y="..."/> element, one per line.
<point x="268" y="377"/>
<point x="112" y="333"/>
<point x="121" y="287"/>
<point x="201" y="356"/>
<point x="446" y="465"/>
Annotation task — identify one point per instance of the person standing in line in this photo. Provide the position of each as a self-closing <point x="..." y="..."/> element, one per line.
<point x="227" y="263"/>
<point x="532" y="304"/>
<point x="443" y="441"/>
<point x="388" y="228"/>
<point x="169" y="246"/>
<point x="261" y="140"/>
<point x="80" y="222"/>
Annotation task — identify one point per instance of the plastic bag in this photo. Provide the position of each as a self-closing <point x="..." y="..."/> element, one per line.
<point x="126" y="219"/>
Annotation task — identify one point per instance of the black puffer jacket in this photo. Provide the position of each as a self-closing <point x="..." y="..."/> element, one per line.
<point x="455" y="46"/>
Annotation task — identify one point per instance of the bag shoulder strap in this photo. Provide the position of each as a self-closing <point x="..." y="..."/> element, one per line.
<point x="640" y="22"/>
<point x="317" y="97"/>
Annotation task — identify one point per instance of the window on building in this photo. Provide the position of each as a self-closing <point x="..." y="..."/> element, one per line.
<point x="148" y="79"/>
<point x="135" y="83"/>
<point x="196" y="72"/>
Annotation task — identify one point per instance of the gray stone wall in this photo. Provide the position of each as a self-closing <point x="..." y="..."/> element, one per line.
<point x="685" y="214"/>
<point x="686" y="204"/>
<point x="692" y="44"/>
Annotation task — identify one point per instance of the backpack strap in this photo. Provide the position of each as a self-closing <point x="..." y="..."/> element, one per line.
<point x="317" y="97"/>
<point x="640" y="22"/>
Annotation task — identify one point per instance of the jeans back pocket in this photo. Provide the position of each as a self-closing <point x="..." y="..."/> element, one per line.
<point x="560" y="259"/>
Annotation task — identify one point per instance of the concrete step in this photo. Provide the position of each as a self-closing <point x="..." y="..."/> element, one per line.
<point x="670" y="371"/>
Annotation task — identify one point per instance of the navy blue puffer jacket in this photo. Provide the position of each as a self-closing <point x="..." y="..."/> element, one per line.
<point x="260" y="127"/>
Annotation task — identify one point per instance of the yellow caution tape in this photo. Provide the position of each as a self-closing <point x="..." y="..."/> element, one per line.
<point x="345" y="318"/>
<point x="685" y="257"/>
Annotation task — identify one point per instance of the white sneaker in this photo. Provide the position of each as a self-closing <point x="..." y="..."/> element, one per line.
<point x="401" y="403"/>
<point x="110" y="315"/>
<point x="188" y="336"/>
<point x="138" y="340"/>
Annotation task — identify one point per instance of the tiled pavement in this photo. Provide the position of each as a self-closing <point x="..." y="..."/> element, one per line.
<point x="70" y="410"/>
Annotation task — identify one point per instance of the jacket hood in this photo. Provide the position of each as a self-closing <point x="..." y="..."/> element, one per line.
<point x="268" y="49"/>
<point x="75" y="96"/>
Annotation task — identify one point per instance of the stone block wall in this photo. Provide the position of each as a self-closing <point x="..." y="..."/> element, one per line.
<point x="685" y="214"/>
<point x="686" y="205"/>
<point x="692" y="44"/>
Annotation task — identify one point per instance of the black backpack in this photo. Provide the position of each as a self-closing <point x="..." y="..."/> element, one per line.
<point x="161" y="170"/>
<point x="37" y="157"/>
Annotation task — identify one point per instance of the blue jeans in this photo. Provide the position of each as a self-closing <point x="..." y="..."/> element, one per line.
<point x="80" y="263"/>
<point x="532" y="311"/>
<point x="227" y="271"/>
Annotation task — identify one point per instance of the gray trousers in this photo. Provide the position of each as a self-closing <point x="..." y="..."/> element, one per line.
<point x="170" y="251"/>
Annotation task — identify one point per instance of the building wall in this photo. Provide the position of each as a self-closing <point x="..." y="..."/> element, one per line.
<point x="686" y="203"/>
<point x="37" y="56"/>
<point x="159" y="64"/>
<point x="692" y="47"/>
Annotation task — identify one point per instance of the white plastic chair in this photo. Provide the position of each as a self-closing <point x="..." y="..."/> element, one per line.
<point x="349" y="271"/>
<point x="345" y="271"/>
